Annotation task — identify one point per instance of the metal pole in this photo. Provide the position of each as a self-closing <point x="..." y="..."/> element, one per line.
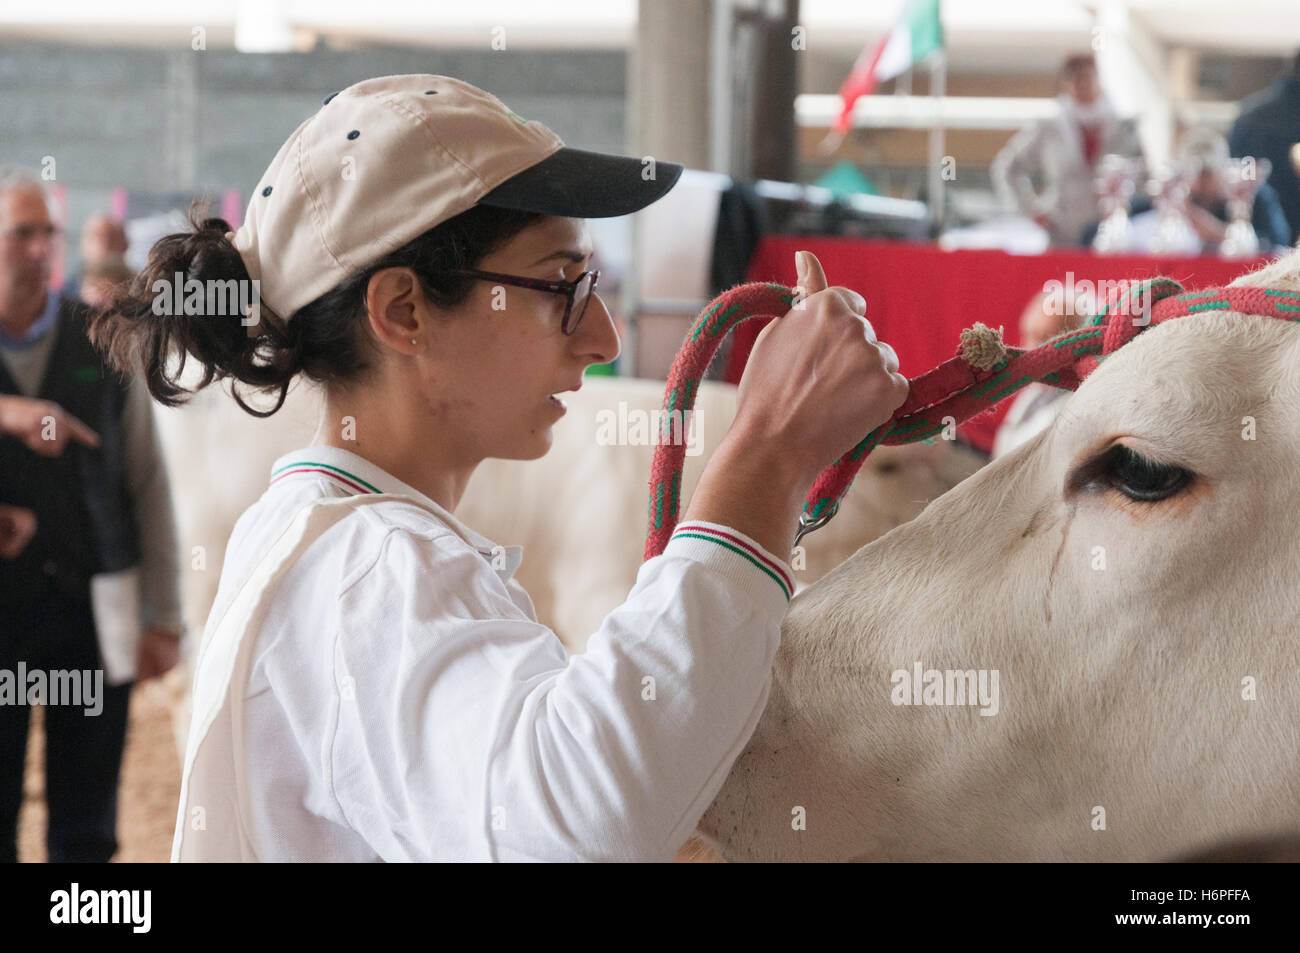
<point x="721" y="107"/>
<point x="938" y="76"/>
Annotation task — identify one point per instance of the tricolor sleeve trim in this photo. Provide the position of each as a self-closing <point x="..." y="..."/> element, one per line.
<point x="731" y="539"/>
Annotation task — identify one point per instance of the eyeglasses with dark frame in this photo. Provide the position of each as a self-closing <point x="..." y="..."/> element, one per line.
<point x="578" y="292"/>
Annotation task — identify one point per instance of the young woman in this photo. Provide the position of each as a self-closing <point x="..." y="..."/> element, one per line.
<point x="373" y="684"/>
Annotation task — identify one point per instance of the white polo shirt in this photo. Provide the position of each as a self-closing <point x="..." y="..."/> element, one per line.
<point x="404" y="703"/>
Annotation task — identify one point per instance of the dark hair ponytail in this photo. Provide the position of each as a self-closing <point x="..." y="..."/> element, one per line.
<point x="326" y="341"/>
<point x="135" y="337"/>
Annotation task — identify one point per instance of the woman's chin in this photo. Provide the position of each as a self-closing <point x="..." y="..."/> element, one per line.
<point x="531" y="446"/>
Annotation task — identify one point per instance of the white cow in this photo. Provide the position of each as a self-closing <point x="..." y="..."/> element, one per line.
<point x="1141" y="618"/>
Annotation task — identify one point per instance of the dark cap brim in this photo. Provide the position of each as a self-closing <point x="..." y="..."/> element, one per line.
<point x="578" y="184"/>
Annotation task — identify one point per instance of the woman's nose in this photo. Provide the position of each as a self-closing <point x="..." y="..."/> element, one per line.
<point x="596" y="335"/>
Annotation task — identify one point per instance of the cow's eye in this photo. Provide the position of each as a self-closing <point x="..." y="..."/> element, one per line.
<point x="1140" y="478"/>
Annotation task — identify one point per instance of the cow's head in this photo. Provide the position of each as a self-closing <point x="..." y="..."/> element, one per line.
<point x="1132" y="575"/>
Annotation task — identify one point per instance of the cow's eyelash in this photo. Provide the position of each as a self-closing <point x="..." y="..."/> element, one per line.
<point x="1138" y="477"/>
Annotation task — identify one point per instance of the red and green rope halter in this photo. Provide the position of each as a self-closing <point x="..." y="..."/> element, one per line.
<point x="984" y="372"/>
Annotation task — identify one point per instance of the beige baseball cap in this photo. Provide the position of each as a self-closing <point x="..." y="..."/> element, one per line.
<point x="389" y="158"/>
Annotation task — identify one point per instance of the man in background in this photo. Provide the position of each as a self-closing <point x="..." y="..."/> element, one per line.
<point x="46" y="429"/>
<point x="1269" y="126"/>
<point x="1205" y="153"/>
<point x="1064" y="153"/>
<point x="101" y="281"/>
<point x="103" y="250"/>
<point x="103" y="527"/>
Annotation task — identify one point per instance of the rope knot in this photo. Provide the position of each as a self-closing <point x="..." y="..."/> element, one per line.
<point x="982" y="346"/>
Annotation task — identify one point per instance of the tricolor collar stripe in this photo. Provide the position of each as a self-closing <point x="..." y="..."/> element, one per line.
<point x="738" y="545"/>
<point x="351" y="480"/>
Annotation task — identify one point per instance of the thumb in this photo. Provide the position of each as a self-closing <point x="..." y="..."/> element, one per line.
<point x="811" y="277"/>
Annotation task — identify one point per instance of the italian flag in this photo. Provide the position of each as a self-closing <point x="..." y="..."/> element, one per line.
<point x="918" y="34"/>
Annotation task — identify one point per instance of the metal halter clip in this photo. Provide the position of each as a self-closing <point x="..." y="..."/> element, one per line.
<point x="807" y="525"/>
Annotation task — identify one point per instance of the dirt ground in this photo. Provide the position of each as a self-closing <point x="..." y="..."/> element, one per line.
<point x="150" y="784"/>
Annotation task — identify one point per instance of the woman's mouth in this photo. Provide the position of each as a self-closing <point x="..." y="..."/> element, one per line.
<point x="558" y="401"/>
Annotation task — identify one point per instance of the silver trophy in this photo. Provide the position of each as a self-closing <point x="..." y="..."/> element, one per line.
<point x="1169" y="190"/>
<point x="1115" y="183"/>
<point x="1240" y="180"/>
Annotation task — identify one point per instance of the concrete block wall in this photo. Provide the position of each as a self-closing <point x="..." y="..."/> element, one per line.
<point x="185" y="121"/>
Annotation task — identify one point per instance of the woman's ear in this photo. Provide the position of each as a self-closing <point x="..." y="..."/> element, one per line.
<point x="396" y="307"/>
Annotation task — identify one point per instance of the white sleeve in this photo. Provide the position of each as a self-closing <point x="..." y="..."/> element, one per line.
<point x="472" y="735"/>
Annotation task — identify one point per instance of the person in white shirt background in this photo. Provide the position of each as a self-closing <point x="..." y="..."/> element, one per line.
<point x="373" y="684"/>
<point x="1063" y="153"/>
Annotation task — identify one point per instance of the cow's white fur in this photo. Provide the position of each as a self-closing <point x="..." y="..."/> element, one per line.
<point x="1121" y="688"/>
